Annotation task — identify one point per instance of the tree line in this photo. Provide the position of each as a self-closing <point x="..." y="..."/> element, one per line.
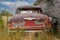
<point x="5" y="13"/>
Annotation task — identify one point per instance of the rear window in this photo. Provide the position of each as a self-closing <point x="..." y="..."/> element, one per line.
<point x="22" y="12"/>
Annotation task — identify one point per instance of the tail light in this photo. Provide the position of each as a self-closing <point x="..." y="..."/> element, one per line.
<point x="11" y="25"/>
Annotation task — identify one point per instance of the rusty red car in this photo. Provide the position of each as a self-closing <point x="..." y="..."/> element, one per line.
<point x="29" y="18"/>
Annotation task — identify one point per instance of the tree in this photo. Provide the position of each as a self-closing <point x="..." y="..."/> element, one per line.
<point x="5" y="13"/>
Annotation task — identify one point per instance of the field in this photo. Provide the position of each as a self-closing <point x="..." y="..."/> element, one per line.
<point x="44" y="35"/>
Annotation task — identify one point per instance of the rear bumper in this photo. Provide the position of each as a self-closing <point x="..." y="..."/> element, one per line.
<point x="29" y="28"/>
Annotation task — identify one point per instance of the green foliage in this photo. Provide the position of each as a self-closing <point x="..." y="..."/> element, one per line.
<point x="1" y="23"/>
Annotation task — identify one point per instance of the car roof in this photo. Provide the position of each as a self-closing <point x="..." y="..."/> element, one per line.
<point x="28" y="7"/>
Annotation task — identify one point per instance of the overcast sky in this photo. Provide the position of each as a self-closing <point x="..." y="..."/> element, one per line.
<point x="11" y="5"/>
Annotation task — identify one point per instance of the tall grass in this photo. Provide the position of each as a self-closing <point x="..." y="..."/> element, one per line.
<point x="6" y="35"/>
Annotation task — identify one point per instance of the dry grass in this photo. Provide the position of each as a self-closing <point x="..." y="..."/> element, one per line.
<point x="5" y="35"/>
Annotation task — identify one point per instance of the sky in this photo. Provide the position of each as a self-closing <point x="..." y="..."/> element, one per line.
<point x="11" y="5"/>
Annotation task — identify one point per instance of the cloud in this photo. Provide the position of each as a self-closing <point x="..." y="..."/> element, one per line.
<point x="13" y="5"/>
